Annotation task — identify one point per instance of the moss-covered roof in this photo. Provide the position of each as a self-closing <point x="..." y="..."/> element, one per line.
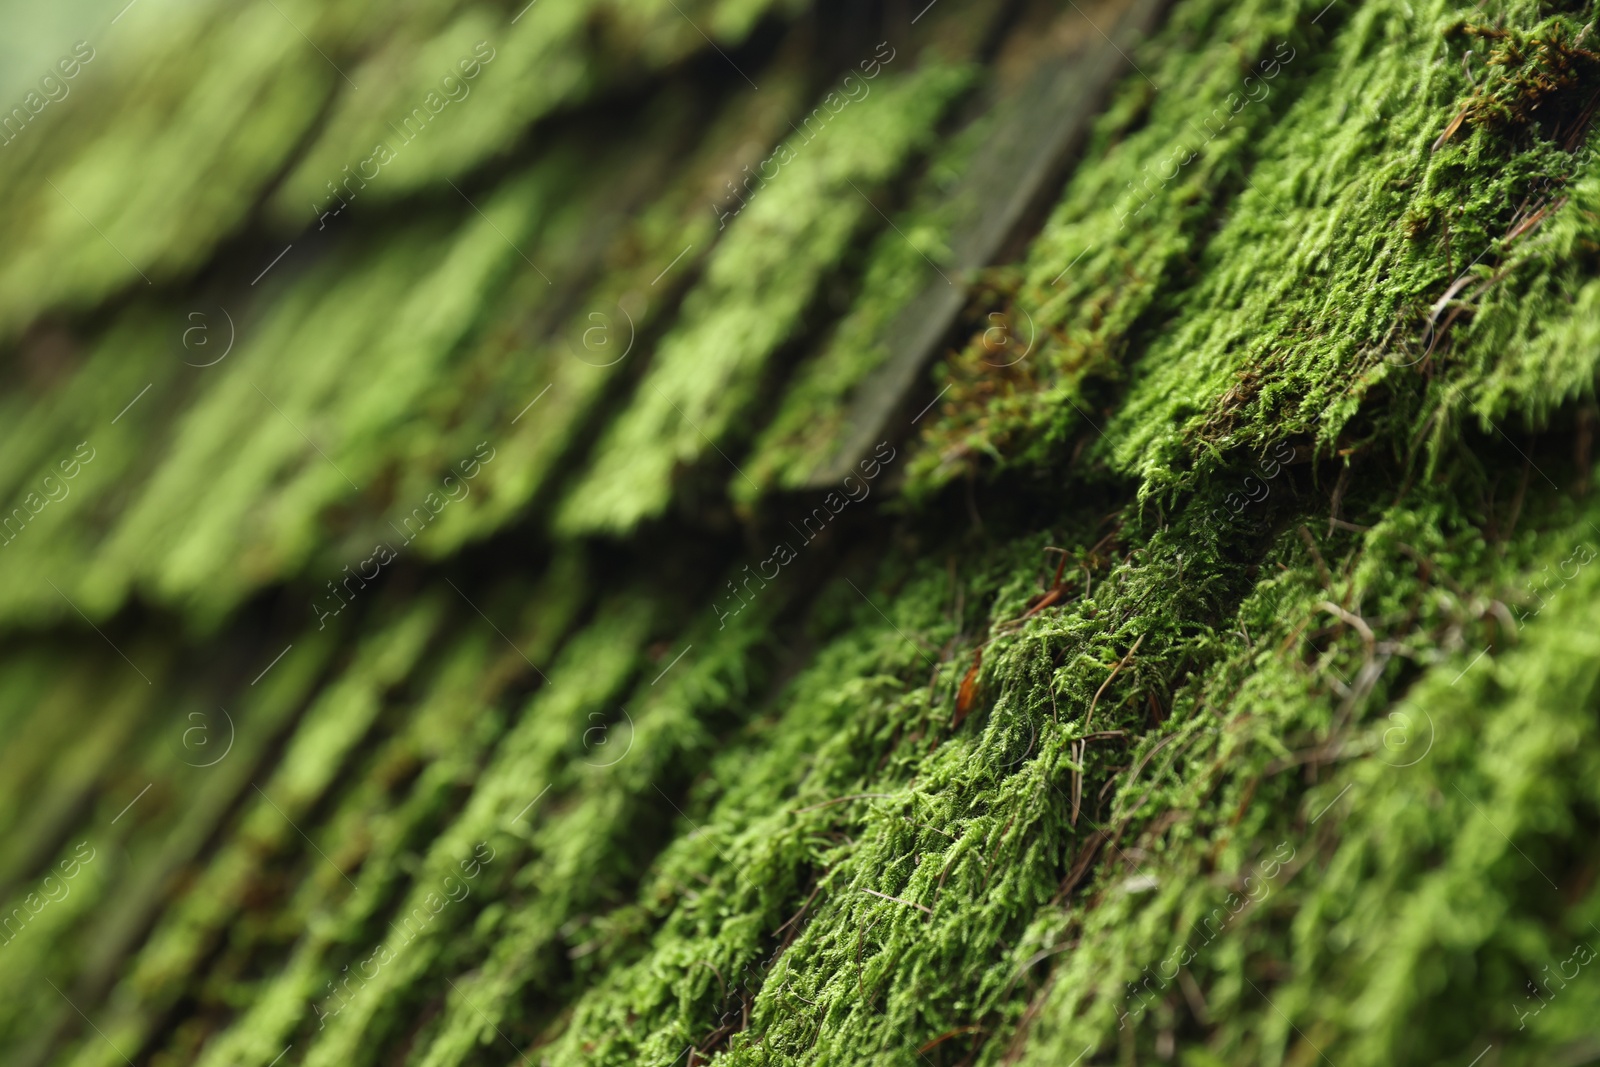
<point x="718" y="530"/>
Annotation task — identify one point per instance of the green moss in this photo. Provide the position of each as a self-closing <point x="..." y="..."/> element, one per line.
<point x="537" y="63"/>
<point x="1134" y="215"/>
<point x="206" y="119"/>
<point x="443" y="750"/>
<point x="899" y="264"/>
<point x="330" y="729"/>
<point x="1319" y="633"/>
<point x="1315" y="290"/>
<point x="761" y="278"/>
<point x="583" y="352"/>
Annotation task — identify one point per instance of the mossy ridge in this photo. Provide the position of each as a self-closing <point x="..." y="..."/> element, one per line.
<point x="278" y="538"/>
<point x="1114" y="251"/>
<point x="61" y="393"/>
<point x="437" y="282"/>
<point x="579" y="866"/>
<point x="1003" y="791"/>
<point x="64" y="732"/>
<point x="761" y="278"/>
<point x="50" y="944"/>
<point x="1343" y="310"/>
<point x="679" y="965"/>
<point x="1244" y="701"/>
<point x="869" y="663"/>
<point x="595" y="663"/>
<point x="397" y="795"/>
<point x="168" y="830"/>
<point x="275" y="541"/>
<point x="368" y="837"/>
<point x="551" y="56"/>
<point x="328" y="732"/>
<point x="813" y="406"/>
<point x="1330" y="326"/>
<point x="253" y="95"/>
<point x="1526" y="351"/>
<point x="232" y="543"/>
<point x="584" y="357"/>
<point x="255" y="997"/>
<point x="193" y="458"/>
<point x="1200" y="805"/>
<point x="1429" y="596"/>
<point x="206" y="143"/>
<point x="396" y="442"/>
